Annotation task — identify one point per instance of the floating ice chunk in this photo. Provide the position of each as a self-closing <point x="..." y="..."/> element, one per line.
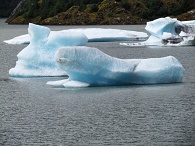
<point x="93" y="35"/>
<point x="37" y="59"/>
<point x="168" y="32"/>
<point x="161" y="25"/>
<point x="88" y="66"/>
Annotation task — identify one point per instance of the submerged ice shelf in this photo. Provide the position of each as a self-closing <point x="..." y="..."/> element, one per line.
<point x="87" y="66"/>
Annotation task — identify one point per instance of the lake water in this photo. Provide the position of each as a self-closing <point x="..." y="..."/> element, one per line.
<point x="34" y="114"/>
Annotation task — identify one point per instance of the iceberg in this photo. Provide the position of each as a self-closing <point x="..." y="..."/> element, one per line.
<point x="93" y="35"/>
<point x="168" y="32"/>
<point x="37" y="59"/>
<point x="88" y="66"/>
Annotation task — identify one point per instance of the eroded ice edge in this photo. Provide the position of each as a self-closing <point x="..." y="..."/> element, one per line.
<point x="93" y="35"/>
<point x="37" y="59"/>
<point x="168" y="32"/>
<point x="87" y="66"/>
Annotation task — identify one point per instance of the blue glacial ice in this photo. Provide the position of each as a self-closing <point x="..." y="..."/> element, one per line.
<point x="37" y="59"/>
<point x="87" y="66"/>
<point x="168" y="32"/>
<point x="93" y="35"/>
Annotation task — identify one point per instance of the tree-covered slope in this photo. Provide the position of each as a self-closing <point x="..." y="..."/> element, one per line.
<point x="99" y="11"/>
<point x="7" y="6"/>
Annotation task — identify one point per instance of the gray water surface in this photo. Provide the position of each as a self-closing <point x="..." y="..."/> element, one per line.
<point x="34" y="114"/>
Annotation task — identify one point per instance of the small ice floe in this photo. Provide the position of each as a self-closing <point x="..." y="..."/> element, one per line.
<point x="168" y="32"/>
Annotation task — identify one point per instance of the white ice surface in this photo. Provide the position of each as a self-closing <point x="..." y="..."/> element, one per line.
<point x="93" y="35"/>
<point x="88" y="66"/>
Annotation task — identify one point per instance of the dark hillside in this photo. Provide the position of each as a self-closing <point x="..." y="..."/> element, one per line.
<point x="7" y="6"/>
<point x="87" y="12"/>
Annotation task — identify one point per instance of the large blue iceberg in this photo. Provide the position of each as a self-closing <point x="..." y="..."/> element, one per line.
<point x="93" y="35"/>
<point x="37" y="59"/>
<point x="168" y="32"/>
<point x="87" y="66"/>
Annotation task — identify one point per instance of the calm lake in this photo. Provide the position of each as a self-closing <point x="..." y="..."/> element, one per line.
<point x="34" y="114"/>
